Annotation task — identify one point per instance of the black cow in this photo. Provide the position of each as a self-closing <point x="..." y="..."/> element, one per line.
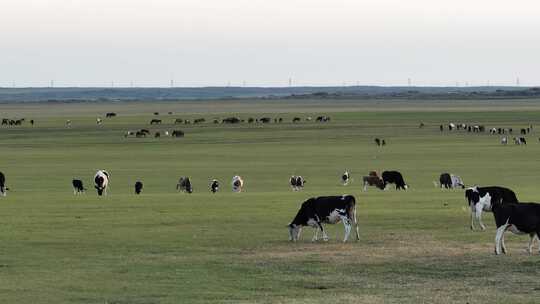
<point x="184" y="185"/>
<point x="214" y="186"/>
<point x="445" y="180"/>
<point x="138" y="187"/>
<point x="265" y="120"/>
<point x="178" y="121"/>
<point x="394" y="177"/>
<point x="378" y="142"/>
<point x="3" y="188"/>
<point x="296" y="119"/>
<point x="199" y="120"/>
<point x="482" y="198"/>
<point x="316" y="211"/>
<point x="110" y="114"/>
<point x="177" y="133"/>
<point x="155" y="121"/>
<point x="297" y="182"/>
<point x="522" y="218"/>
<point x="78" y="187"/>
<point x="231" y="120"/>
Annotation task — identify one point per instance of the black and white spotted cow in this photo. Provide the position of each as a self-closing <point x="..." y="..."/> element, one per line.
<point x="237" y="183"/>
<point x="345" y="178"/>
<point x="3" y="188"/>
<point x="317" y="211"/>
<point x="297" y="182"/>
<point x="184" y="185"/>
<point x="522" y="218"/>
<point x="101" y="180"/>
<point x="481" y="199"/>
<point x="214" y="186"/>
<point x="450" y="181"/>
<point x="138" y="187"/>
<point x="394" y="177"/>
<point x="78" y="187"/>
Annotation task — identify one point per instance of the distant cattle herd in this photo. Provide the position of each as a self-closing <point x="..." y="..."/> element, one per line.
<point x="510" y="214"/>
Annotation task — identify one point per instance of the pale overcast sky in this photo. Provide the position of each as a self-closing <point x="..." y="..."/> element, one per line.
<point x="315" y="42"/>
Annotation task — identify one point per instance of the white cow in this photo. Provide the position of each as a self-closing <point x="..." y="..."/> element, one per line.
<point x="101" y="180"/>
<point x="237" y="183"/>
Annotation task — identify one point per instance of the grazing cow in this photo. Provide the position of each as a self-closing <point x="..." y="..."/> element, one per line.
<point x="157" y="135"/>
<point x="214" y="186"/>
<point x="372" y="179"/>
<point x="520" y="141"/>
<point x="345" y="178"/>
<point x="251" y="120"/>
<point x="421" y="125"/>
<point x="296" y="119"/>
<point x="5" y="122"/>
<point x="140" y="134"/>
<point x="177" y="133"/>
<point x="394" y="177"/>
<point x="156" y="113"/>
<point x="78" y="187"/>
<point x="199" y="120"/>
<point x="265" y="120"/>
<point x="178" y="121"/>
<point x="237" y="183"/>
<point x="378" y="142"/>
<point x="323" y="118"/>
<point x="522" y="218"/>
<point x="297" y="182"/>
<point x="317" y="211"/>
<point x="101" y="180"/>
<point x="445" y="180"/>
<point x="155" y="121"/>
<point x="481" y="199"/>
<point x="504" y="140"/>
<point x="3" y="188"/>
<point x="129" y="133"/>
<point x="231" y="120"/>
<point x="450" y="181"/>
<point x="523" y="131"/>
<point x="138" y="187"/>
<point x="110" y="114"/>
<point x="184" y="185"/>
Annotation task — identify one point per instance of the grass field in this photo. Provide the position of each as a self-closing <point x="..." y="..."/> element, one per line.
<point x="169" y="247"/>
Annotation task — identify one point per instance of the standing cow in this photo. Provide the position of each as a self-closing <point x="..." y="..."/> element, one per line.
<point x="394" y="177"/>
<point x="184" y="184"/>
<point x="450" y="181"/>
<point x="237" y="183"/>
<point x="316" y="211"/>
<point x="214" y="186"/>
<point x="3" y="188"/>
<point x="297" y="182"/>
<point x="372" y="179"/>
<point x="78" y="187"/>
<point x="138" y="187"/>
<point x="481" y="199"/>
<point x="101" y="180"/>
<point x="345" y="178"/>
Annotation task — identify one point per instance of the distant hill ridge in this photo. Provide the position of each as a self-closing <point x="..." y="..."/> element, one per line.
<point x="9" y="95"/>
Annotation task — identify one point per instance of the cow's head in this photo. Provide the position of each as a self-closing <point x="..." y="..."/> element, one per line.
<point x="472" y="195"/>
<point x="294" y="232"/>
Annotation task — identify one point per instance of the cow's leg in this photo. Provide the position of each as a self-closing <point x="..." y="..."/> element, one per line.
<point x="325" y="236"/>
<point x="356" y="224"/>
<point x="315" y="234"/>
<point x="365" y="186"/>
<point x="498" y="236"/>
<point x="473" y="215"/>
<point x="347" y="224"/>
<point x="478" y="213"/>
<point x="531" y="240"/>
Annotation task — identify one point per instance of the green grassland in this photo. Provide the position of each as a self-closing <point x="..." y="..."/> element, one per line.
<point x="169" y="247"/>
